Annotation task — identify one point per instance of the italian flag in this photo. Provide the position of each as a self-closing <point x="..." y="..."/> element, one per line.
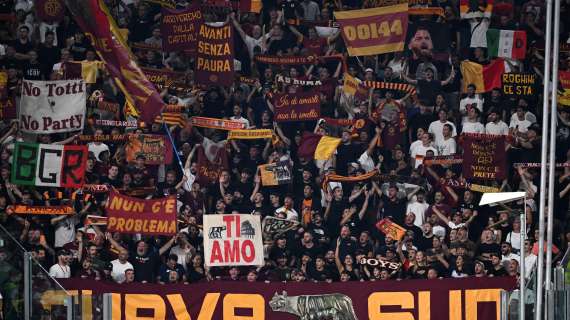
<point x="484" y="77"/>
<point x="506" y="43"/>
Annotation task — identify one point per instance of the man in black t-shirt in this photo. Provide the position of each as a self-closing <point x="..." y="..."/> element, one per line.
<point x="146" y="260"/>
<point x="23" y="45"/>
<point x="428" y="87"/>
<point x="33" y="69"/>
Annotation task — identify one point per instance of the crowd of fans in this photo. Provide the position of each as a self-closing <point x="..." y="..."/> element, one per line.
<point x="448" y="233"/>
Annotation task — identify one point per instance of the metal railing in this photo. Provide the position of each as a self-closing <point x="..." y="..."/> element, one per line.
<point x="26" y="285"/>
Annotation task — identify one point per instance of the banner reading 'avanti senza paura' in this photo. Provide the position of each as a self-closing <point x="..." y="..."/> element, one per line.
<point x="446" y="299"/>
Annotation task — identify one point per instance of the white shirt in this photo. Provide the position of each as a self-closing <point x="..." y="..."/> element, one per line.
<point x="292" y="215"/>
<point x="251" y="43"/>
<point x="421" y="150"/>
<point x="118" y="271"/>
<point x="439" y="231"/>
<point x="529" y="263"/>
<point x="240" y="119"/>
<point x="418" y="209"/>
<point x="446" y="146"/>
<point x="470" y="101"/>
<point x="510" y="257"/>
<point x="521" y="124"/>
<point x="497" y="128"/>
<point x="97" y="148"/>
<point x="479" y="32"/>
<point x="436" y="128"/>
<point x="514" y="239"/>
<point x="191" y="178"/>
<point x="59" y="271"/>
<point x="182" y="254"/>
<point x="45" y="27"/>
<point x="473" y="127"/>
<point x="65" y="231"/>
<point x="366" y="162"/>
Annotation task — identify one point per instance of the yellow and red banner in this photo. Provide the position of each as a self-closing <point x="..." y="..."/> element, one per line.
<point x="374" y="31"/>
<point x="213" y="123"/>
<point x="134" y="215"/>
<point x="95" y="20"/>
<point x="40" y="210"/>
<point x="442" y="299"/>
<point x="156" y="149"/>
<point x="391" y="228"/>
<point x="250" y="134"/>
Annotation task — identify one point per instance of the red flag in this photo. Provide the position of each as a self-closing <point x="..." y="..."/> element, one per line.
<point x="308" y="145"/>
<point x="94" y="19"/>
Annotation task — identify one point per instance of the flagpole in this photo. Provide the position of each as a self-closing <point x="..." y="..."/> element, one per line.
<point x="543" y="167"/>
<point x="172" y="143"/>
<point x="552" y="168"/>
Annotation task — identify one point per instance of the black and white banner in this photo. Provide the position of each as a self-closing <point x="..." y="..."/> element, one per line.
<point x="52" y="106"/>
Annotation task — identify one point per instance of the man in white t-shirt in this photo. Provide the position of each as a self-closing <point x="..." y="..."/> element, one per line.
<point x="237" y="111"/>
<point x="436" y="127"/>
<point x="64" y="229"/>
<point x="421" y="149"/>
<point x="120" y="265"/>
<point x="519" y="122"/>
<point x="251" y="42"/>
<point x="479" y="27"/>
<point x="418" y="207"/>
<point x="495" y="125"/>
<point x="472" y="99"/>
<point x="61" y="269"/>
<point x="97" y="147"/>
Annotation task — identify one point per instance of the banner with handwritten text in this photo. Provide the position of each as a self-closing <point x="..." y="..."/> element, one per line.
<point x="484" y="156"/>
<point x="298" y="107"/>
<point x="178" y="28"/>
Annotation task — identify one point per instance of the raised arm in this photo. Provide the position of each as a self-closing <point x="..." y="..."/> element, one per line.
<point x="333" y="37"/>
<point x="339" y="265"/>
<point x="280" y="133"/>
<point x="237" y="26"/>
<point x="406" y="78"/>
<point x="188" y="162"/>
<point x="114" y="243"/>
<point x="364" y="205"/>
<point x="166" y="246"/>
<point x="66" y="141"/>
<point x="440" y="215"/>
<point x="450" y="78"/>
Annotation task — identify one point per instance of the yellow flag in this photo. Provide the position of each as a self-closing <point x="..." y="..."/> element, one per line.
<point x="90" y="70"/>
<point x="327" y="145"/>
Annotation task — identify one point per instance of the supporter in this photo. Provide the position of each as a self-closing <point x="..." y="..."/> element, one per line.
<point x="120" y="266"/>
<point x="61" y="269"/>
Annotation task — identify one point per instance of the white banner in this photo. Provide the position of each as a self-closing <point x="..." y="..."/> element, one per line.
<point x="52" y="106"/>
<point x="232" y="240"/>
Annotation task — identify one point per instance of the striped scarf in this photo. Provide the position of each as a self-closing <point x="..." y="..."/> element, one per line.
<point x="390" y="86"/>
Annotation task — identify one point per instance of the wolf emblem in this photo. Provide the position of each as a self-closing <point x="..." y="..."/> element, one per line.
<point x="333" y="306"/>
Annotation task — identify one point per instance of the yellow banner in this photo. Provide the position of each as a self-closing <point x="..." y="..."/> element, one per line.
<point x="251" y="134"/>
<point x="327" y="145"/>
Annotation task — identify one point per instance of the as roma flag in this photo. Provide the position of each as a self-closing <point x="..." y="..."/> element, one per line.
<point x="374" y="31"/>
<point x="95" y="20"/>
<point x="50" y="10"/>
